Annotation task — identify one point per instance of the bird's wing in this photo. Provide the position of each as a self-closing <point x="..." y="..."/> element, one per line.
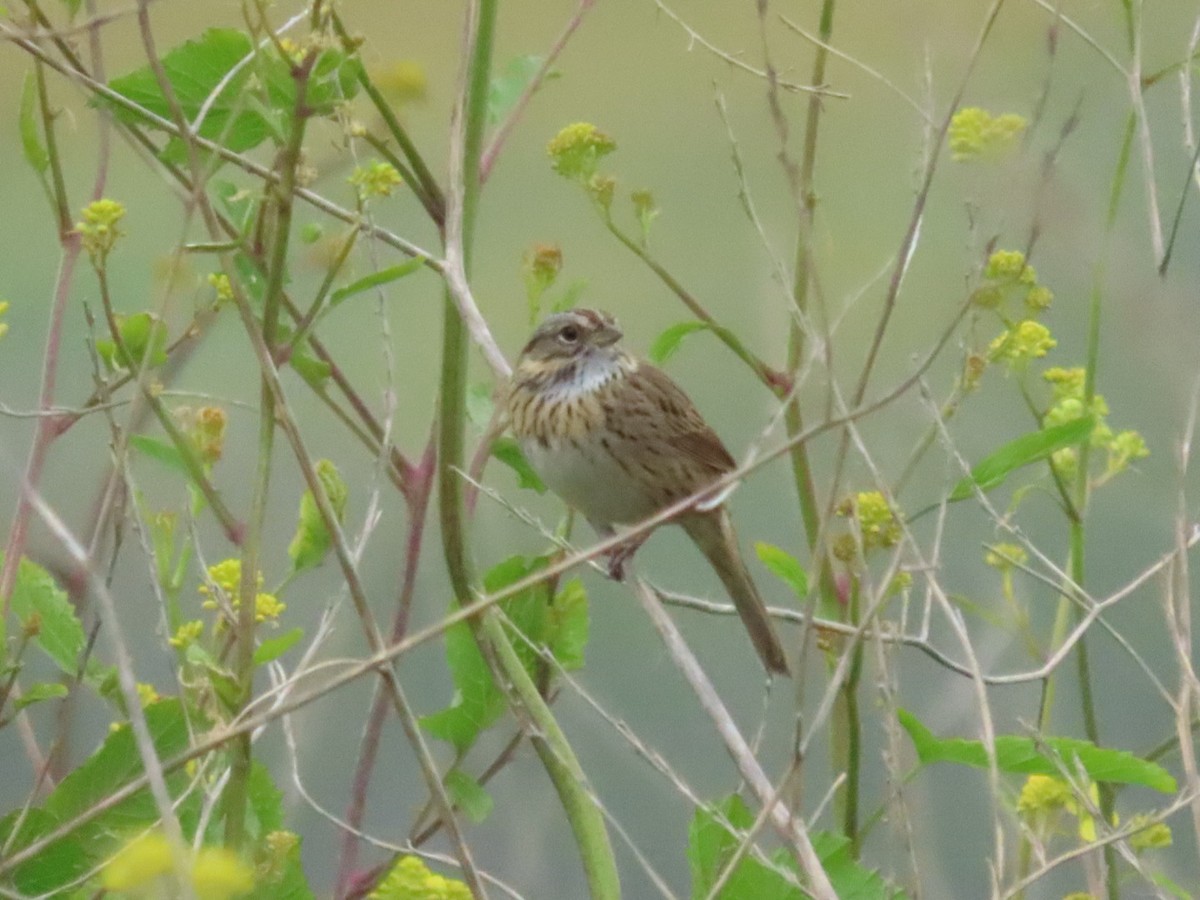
<point x="681" y="426"/>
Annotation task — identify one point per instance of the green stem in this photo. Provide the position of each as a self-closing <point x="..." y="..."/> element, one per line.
<point x="564" y="770"/>
<point x="280" y="211"/>
<point x="853" y="733"/>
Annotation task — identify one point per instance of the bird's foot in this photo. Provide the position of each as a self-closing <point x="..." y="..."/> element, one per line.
<point x="622" y="554"/>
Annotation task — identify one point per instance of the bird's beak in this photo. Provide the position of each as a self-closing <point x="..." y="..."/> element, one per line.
<point x="607" y="336"/>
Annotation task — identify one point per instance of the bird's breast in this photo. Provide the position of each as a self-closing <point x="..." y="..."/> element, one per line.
<point x="566" y="440"/>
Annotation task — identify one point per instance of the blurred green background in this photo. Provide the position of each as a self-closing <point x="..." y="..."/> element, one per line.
<point x="636" y="74"/>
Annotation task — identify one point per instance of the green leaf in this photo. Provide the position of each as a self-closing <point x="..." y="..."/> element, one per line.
<point x="468" y="794"/>
<point x="508" y="451"/>
<point x="312" y="538"/>
<point x="43" y="690"/>
<point x="195" y="71"/>
<point x="143" y="343"/>
<point x="31" y="139"/>
<point x="850" y="880"/>
<point x="314" y="371"/>
<point x="118" y="761"/>
<point x="56" y="866"/>
<point x="163" y="451"/>
<point x="711" y="845"/>
<point x="273" y="648"/>
<point x="668" y="342"/>
<point x="477" y="702"/>
<point x="784" y="566"/>
<point x="60" y="634"/>
<point x="567" y="632"/>
<point x="376" y="279"/>
<point x="1021" y="755"/>
<point x="238" y="203"/>
<point x="1028" y="448"/>
<point x="506" y="89"/>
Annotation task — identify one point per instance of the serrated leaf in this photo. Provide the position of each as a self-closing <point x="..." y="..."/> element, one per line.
<point x="60" y="634"/>
<point x="1021" y="755"/>
<point x="1028" y="448"/>
<point x="669" y="341"/>
<point x="477" y="702"/>
<point x="711" y="846"/>
<point x="508" y="451"/>
<point x="159" y="450"/>
<point x="468" y="795"/>
<point x="55" y="867"/>
<point x="195" y="70"/>
<point x="31" y="139"/>
<point x="783" y="566"/>
<point x="43" y="690"/>
<point x="273" y="648"/>
<point x="376" y="279"/>
<point x="118" y="761"/>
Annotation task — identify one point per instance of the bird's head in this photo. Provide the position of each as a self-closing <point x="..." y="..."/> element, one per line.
<point x="573" y="346"/>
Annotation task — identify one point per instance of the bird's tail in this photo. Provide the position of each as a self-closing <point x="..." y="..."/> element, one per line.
<point x="714" y="535"/>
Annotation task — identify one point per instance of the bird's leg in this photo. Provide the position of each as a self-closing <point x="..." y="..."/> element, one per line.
<point x="619" y="555"/>
<point x="623" y="553"/>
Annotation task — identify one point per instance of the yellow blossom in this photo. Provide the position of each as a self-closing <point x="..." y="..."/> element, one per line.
<point x="975" y="134"/>
<point x="1043" y="793"/>
<point x="411" y="879"/>
<point x="1005" y="265"/>
<point x="376" y="179"/>
<point x="577" y="149"/>
<point x="147" y="693"/>
<point x="219" y="282"/>
<point x="139" y="862"/>
<point x="219" y="874"/>
<point x="1149" y="835"/>
<point x="403" y="81"/>
<point x="1005" y="556"/>
<point x="1027" y="340"/>
<point x="267" y="606"/>
<point x="99" y="228"/>
<point x="187" y="634"/>
<point x="3" y="325"/>
<point x="875" y="520"/>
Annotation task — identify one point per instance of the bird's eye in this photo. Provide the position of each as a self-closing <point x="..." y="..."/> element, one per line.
<point x="569" y="334"/>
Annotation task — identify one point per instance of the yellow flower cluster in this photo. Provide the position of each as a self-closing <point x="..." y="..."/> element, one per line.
<point x="215" y="872"/>
<point x="227" y="576"/>
<point x="1024" y="341"/>
<point x="575" y="152"/>
<point x="1070" y="403"/>
<point x="1005" y="556"/>
<point x="376" y="179"/>
<point x="975" y="134"/>
<point x="410" y="879"/>
<point x="3" y="325"/>
<point x="1008" y="274"/>
<point x="99" y="228"/>
<point x="219" y="282"/>
<point x="205" y="428"/>
<point x="876" y="524"/>
<point x="187" y="634"/>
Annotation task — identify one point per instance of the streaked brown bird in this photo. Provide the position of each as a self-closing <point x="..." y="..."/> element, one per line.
<point x="618" y="440"/>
